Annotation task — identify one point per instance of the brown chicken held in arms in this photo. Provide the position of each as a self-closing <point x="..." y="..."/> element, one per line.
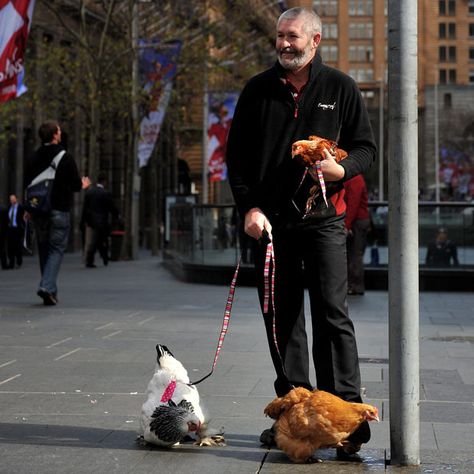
<point x="307" y="152"/>
<point x="307" y="421"/>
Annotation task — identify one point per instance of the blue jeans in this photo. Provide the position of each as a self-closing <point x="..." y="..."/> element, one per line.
<point x="52" y="236"/>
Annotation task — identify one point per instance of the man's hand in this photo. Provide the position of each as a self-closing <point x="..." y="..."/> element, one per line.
<point x="332" y="171"/>
<point x="255" y="222"/>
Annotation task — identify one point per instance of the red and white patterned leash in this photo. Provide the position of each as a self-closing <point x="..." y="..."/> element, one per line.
<point x="321" y="180"/>
<point x="268" y="298"/>
<point x="269" y="289"/>
<point x="225" y="322"/>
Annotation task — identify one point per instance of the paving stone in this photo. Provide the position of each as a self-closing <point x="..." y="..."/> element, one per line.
<point x="80" y="413"/>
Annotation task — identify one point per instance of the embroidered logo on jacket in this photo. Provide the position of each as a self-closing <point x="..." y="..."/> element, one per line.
<point x="327" y="106"/>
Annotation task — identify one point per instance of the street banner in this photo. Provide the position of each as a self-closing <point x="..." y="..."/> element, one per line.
<point x="221" y="106"/>
<point x="15" y="22"/>
<point x="157" y="68"/>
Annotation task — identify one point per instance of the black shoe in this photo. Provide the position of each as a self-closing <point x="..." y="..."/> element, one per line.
<point x="267" y="438"/>
<point x="91" y="265"/>
<point x="48" y="298"/>
<point x="360" y="435"/>
<point x="348" y="452"/>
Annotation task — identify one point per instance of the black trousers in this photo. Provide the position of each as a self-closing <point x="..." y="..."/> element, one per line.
<point x="312" y="255"/>
<point x="97" y="239"/>
<point x="15" y="246"/>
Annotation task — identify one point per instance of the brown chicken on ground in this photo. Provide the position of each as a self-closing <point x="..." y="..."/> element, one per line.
<point x="310" y="420"/>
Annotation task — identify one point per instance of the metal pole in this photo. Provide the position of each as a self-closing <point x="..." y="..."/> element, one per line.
<point x="135" y="187"/>
<point x="436" y="137"/>
<point x="403" y="234"/>
<point x="381" y="143"/>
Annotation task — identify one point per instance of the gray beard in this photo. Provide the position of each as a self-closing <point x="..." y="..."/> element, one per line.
<point x="295" y="63"/>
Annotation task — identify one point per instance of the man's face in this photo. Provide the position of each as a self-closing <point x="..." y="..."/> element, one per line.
<point x="13" y="199"/>
<point x="57" y="136"/>
<point x="295" y="48"/>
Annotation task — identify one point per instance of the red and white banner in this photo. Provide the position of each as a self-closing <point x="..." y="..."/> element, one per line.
<point x="221" y="106"/>
<point x="15" y="22"/>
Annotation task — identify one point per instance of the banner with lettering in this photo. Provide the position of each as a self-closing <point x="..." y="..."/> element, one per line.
<point x="157" y="64"/>
<point x="15" y="22"/>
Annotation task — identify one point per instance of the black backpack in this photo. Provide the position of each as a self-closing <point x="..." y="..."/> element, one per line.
<point x="38" y="192"/>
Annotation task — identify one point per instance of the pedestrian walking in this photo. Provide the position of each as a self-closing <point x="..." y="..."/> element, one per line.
<point x="97" y="209"/>
<point x="52" y="229"/>
<point x="15" y="232"/>
<point x="3" y="236"/>
<point x="296" y="98"/>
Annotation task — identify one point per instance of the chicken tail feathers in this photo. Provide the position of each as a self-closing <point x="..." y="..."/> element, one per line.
<point x="275" y="408"/>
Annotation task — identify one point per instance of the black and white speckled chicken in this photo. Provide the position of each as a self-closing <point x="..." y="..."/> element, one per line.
<point x="173" y="408"/>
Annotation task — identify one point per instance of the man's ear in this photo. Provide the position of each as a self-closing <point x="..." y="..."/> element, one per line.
<point x="316" y="40"/>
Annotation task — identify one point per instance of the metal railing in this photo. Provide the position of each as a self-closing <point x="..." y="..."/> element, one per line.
<point x="211" y="235"/>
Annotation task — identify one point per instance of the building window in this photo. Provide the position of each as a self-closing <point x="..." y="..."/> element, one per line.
<point x="447" y="30"/>
<point x="361" y="7"/>
<point x="362" y="74"/>
<point x="442" y="54"/>
<point x="471" y="76"/>
<point x="471" y="7"/>
<point x="471" y="30"/>
<point x="361" y="53"/>
<point x="447" y="7"/>
<point x="452" y="54"/>
<point x="442" y="76"/>
<point x="329" y="53"/>
<point x="330" y="30"/>
<point x="452" y="76"/>
<point x="471" y="54"/>
<point x="325" y="7"/>
<point x="442" y="30"/>
<point x="361" y="30"/>
<point x="452" y="30"/>
<point x="447" y="101"/>
<point x="442" y="7"/>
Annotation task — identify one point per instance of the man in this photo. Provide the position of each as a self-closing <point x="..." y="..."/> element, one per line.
<point x="442" y="252"/>
<point x="358" y="226"/>
<point x="52" y="230"/>
<point x="3" y="236"/>
<point x="298" y="97"/>
<point x="15" y="231"/>
<point x="98" y="205"/>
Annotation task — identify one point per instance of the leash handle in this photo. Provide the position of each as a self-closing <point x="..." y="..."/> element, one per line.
<point x="225" y="322"/>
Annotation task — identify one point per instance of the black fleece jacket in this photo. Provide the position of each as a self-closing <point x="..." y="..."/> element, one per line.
<point x="267" y="121"/>
<point x="66" y="181"/>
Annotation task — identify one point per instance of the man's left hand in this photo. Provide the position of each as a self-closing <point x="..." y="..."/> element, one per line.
<point x="332" y="171"/>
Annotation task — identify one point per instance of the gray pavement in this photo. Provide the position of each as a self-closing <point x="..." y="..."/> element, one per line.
<point x="72" y="377"/>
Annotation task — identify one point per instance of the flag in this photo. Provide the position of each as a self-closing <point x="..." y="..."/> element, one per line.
<point x="15" y="22"/>
<point x="157" y="68"/>
<point x="221" y="106"/>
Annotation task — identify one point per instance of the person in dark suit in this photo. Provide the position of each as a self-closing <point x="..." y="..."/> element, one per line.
<point x="98" y="206"/>
<point x="442" y="252"/>
<point x="3" y="236"/>
<point x="15" y="231"/>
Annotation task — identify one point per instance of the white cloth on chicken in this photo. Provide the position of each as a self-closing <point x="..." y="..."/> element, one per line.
<point x="173" y="408"/>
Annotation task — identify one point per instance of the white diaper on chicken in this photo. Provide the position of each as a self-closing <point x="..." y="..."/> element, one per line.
<point x="173" y="409"/>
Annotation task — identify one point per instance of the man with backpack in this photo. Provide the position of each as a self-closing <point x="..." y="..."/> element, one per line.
<point x="52" y="227"/>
